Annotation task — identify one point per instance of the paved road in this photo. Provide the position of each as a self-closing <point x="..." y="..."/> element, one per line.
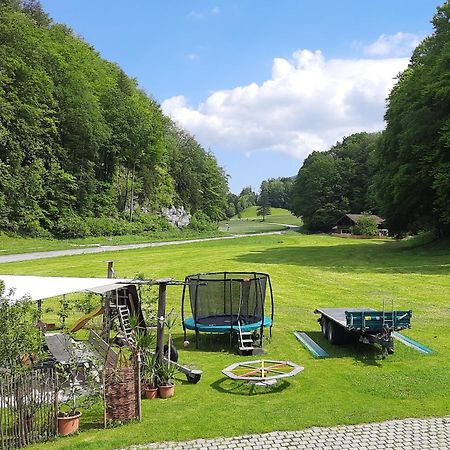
<point x="115" y="248"/>
<point x="407" y="434"/>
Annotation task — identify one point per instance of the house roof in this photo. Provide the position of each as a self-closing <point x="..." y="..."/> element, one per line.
<point x="357" y="217"/>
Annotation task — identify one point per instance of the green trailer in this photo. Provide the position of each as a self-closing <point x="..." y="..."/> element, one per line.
<point x="343" y="325"/>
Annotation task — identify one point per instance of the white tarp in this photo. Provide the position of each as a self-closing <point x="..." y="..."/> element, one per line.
<point x="38" y="288"/>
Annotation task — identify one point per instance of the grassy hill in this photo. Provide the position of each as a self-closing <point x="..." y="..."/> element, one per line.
<point x="278" y="215"/>
<point x="354" y="385"/>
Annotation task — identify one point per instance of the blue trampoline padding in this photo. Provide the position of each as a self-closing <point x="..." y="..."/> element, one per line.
<point x="190" y="325"/>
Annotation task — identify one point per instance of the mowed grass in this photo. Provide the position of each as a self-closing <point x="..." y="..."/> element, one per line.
<point x="20" y="244"/>
<point x="247" y="226"/>
<point x="353" y="386"/>
<point x="250" y="220"/>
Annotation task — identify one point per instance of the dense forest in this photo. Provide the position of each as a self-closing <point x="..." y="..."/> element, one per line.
<point x="413" y="177"/>
<point x="83" y="149"/>
<point x="402" y="173"/>
<point x="335" y="182"/>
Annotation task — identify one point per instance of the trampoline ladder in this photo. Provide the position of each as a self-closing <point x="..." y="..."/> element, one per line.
<point x="245" y="341"/>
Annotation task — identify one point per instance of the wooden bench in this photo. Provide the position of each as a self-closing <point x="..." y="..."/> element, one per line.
<point x="104" y="352"/>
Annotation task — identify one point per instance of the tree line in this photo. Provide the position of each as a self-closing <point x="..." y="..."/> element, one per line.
<point x="402" y="173"/>
<point x="83" y="149"/>
<point x="274" y="192"/>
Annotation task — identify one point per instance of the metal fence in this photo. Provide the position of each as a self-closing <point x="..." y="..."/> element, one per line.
<point x="28" y="408"/>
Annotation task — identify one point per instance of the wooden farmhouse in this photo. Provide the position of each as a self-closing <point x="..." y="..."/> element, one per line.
<point x="345" y="223"/>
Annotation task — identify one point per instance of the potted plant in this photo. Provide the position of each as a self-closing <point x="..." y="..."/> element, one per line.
<point x="166" y="380"/>
<point x="69" y="414"/>
<point x="79" y="387"/>
<point x="150" y="375"/>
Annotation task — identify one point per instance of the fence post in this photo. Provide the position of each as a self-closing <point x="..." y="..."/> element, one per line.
<point x="1" y="416"/>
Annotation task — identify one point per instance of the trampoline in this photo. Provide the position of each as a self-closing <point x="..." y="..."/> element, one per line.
<point x="227" y="302"/>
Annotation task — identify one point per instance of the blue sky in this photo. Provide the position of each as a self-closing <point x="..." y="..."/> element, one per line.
<point x="261" y="83"/>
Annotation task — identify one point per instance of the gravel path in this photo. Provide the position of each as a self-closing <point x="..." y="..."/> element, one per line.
<point x="407" y="434"/>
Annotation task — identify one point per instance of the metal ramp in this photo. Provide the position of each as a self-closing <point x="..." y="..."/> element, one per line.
<point x="311" y="345"/>
<point x="411" y="343"/>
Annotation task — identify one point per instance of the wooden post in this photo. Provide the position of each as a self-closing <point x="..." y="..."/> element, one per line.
<point x="138" y="394"/>
<point x="39" y="307"/>
<point x="110" y="272"/>
<point x="107" y="305"/>
<point x="2" y="408"/>
<point x="161" y="319"/>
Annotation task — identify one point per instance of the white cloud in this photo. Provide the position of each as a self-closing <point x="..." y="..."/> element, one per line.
<point x="307" y="104"/>
<point x="202" y="14"/>
<point x="192" y="56"/>
<point x="398" y="44"/>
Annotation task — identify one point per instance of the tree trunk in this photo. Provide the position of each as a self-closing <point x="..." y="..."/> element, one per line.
<point x="132" y="193"/>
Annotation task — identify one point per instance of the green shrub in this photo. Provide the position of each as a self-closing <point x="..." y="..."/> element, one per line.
<point x="201" y="222"/>
<point x="366" y="226"/>
<point x="151" y="223"/>
<point x="108" y="226"/>
<point x="70" y="227"/>
<point x="18" y="331"/>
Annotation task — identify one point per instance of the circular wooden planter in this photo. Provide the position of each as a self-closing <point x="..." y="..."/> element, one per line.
<point x="151" y="393"/>
<point x="166" y="391"/>
<point x="68" y="425"/>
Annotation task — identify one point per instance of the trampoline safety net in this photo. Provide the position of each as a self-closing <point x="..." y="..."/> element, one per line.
<point x="225" y="298"/>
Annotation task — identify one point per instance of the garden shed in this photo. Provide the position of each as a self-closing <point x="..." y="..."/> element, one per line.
<point x="346" y="222"/>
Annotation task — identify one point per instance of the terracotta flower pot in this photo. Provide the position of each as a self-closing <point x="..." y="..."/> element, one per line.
<point x="166" y="391"/>
<point x="68" y="424"/>
<point x="151" y="392"/>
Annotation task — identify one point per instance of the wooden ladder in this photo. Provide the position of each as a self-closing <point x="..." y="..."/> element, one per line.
<point x="124" y="319"/>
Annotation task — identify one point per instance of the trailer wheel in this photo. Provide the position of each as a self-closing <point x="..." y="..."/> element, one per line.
<point x="335" y="334"/>
<point x="324" y="325"/>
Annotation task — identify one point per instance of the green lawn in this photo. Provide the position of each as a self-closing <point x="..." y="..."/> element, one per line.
<point x="247" y="226"/>
<point x="352" y="386"/>
<point x="277" y="216"/>
<point x="19" y="244"/>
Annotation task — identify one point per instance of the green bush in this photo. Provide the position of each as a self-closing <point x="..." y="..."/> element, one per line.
<point x="108" y="226"/>
<point x="201" y="222"/>
<point x="366" y="226"/>
<point x="70" y="227"/>
<point x="20" y="336"/>
<point x="150" y="223"/>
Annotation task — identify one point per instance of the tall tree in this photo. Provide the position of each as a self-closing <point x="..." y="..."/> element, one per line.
<point x="414" y="154"/>
<point x="263" y="208"/>
<point x="335" y="182"/>
<point x="79" y="139"/>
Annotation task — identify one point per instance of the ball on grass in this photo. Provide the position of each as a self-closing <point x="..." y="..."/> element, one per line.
<point x="186" y="343"/>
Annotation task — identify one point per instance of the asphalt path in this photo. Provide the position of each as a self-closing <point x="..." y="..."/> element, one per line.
<point x="115" y="248"/>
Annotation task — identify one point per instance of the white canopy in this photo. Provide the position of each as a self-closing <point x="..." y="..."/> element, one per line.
<point x="38" y="288"/>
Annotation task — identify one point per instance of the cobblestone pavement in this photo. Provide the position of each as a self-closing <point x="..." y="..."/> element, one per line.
<point x="407" y="434"/>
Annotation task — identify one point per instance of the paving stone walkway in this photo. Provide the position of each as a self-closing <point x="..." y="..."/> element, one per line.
<point x="407" y="434"/>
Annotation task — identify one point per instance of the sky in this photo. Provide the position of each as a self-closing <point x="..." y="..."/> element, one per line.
<point x="260" y="83"/>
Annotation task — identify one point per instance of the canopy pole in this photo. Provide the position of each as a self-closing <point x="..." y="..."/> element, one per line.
<point x="107" y="305"/>
<point x="161" y="320"/>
